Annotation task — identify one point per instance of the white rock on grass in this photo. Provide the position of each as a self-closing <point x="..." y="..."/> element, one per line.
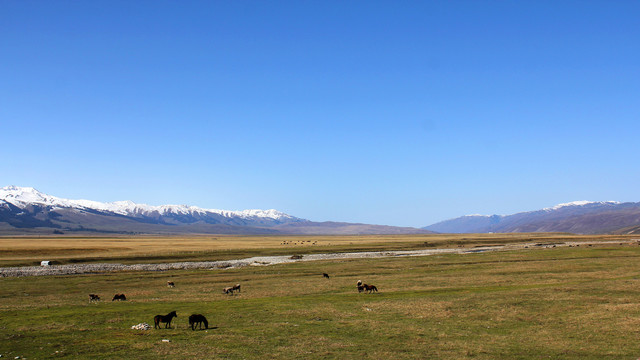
<point x="141" y="326"/>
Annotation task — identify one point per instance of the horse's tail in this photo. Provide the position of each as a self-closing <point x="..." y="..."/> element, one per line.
<point x="206" y="323"/>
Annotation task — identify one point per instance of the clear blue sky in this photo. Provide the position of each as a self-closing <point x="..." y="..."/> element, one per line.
<point x="393" y="112"/>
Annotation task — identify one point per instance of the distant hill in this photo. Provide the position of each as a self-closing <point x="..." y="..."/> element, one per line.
<point x="25" y="210"/>
<point x="580" y="217"/>
<point x="632" y="230"/>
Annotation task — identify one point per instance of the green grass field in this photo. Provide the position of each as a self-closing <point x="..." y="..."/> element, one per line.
<point x="560" y="303"/>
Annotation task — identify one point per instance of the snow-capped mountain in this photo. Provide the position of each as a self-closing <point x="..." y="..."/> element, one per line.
<point x="24" y="196"/>
<point x="581" y="217"/>
<point x="581" y="203"/>
<point x="25" y="210"/>
<point x="25" y="207"/>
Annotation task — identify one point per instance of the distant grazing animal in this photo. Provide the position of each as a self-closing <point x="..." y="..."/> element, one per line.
<point x="325" y="275"/>
<point x="94" y="297"/>
<point x="197" y="320"/>
<point x="369" y="288"/>
<point x="164" y="319"/>
<point x="171" y="284"/>
<point x="119" y="297"/>
<point x="360" y="287"/>
<point x="231" y="289"/>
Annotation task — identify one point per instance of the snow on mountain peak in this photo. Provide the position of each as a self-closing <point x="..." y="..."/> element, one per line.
<point x="23" y="196"/>
<point x="580" y="203"/>
<point x="16" y="194"/>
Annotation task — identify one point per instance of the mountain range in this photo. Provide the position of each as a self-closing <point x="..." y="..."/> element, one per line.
<point x="579" y="217"/>
<point x="25" y="210"/>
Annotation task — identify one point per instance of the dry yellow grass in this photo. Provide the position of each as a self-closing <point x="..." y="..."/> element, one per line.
<point x="15" y="251"/>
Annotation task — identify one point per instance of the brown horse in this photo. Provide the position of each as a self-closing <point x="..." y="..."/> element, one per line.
<point x="171" y="284"/>
<point x="369" y="288"/>
<point x="197" y="320"/>
<point x="164" y="319"/>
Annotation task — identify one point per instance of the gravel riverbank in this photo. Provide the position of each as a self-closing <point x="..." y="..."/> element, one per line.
<point x="254" y="261"/>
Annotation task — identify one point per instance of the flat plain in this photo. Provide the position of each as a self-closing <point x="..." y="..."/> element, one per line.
<point x="579" y="302"/>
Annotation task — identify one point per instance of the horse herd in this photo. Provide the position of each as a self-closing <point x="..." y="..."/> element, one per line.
<point x="119" y="297"/>
<point x="197" y="320"/>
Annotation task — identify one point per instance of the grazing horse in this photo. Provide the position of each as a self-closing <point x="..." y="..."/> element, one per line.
<point x="229" y="290"/>
<point x="119" y="297"/>
<point x="325" y="275"/>
<point x="164" y="319"/>
<point x="197" y="320"/>
<point x="369" y="288"/>
<point x="359" y="286"/>
<point x="171" y="284"/>
<point x="93" y="297"/>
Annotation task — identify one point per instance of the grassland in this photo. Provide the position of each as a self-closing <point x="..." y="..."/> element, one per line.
<point x="561" y="303"/>
<point x="28" y="251"/>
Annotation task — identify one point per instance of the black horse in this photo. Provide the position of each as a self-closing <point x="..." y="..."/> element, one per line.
<point x="119" y="297"/>
<point x="164" y="319"/>
<point x="325" y="275"/>
<point x="197" y="320"/>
